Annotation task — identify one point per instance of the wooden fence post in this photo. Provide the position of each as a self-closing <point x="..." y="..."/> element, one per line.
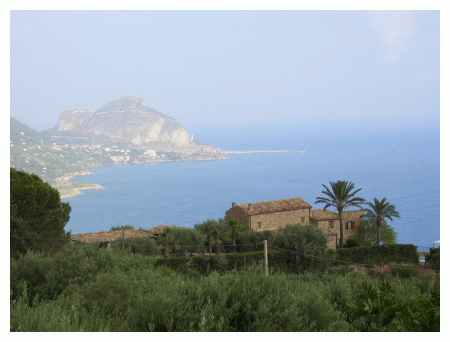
<point x="266" y="259"/>
<point x="123" y="238"/>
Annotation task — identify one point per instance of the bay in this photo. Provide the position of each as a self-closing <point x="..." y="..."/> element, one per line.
<point x="185" y="193"/>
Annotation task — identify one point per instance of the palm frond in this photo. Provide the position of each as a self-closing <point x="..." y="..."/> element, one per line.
<point x="382" y="209"/>
<point x="323" y="200"/>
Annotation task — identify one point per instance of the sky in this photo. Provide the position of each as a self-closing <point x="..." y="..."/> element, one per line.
<point x="251" y="79"/>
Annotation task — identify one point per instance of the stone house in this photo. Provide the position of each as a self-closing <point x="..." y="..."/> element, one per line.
<point x="270" y="215"/>
<point x="328" y="222"/>
<point x="275" y="215"/>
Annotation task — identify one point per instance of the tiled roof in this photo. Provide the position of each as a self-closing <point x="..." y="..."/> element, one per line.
<point x="117" y="234"/>
<point x="274" y="206"/>
<point x="320" y="214"/>
<point x="354" y="214"/>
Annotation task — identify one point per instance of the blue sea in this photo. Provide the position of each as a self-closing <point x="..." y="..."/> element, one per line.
<point x="184" y="193"/>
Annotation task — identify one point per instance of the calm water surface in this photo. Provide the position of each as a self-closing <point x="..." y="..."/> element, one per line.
<point x="187" y="192"/>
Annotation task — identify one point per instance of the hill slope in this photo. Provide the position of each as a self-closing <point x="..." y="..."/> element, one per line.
<point x="33" y="152"/>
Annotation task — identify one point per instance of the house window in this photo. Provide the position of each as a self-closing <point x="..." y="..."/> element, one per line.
<point x="259" y="224"/>
<point x="303" y="219"/>
<point x="349" y="225"/>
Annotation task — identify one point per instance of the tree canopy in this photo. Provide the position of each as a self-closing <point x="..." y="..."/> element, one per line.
<point x="368" y="233"/>
<point x="37" y="216"/>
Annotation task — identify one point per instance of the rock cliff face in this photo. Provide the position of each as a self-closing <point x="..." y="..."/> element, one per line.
<point x="72" y="120"/>
<point x="126" y="120"/>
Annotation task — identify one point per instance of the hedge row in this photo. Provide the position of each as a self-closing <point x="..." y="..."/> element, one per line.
<point x="292" y="261"/>
<point x="380" y="254"/>
<point x="278" y="261"/>
<point x="205" y="264"/>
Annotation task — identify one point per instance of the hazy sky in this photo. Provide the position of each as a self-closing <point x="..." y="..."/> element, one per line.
<point x="233" y="76"/>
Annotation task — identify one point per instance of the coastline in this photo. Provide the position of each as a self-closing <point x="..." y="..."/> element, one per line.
<point x="68" y="188"/>
<point x="77" y="189"/>
<point x="262" y="151"/>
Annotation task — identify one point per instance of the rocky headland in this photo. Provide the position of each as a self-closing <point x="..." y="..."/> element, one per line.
<point x="123" y="131"/>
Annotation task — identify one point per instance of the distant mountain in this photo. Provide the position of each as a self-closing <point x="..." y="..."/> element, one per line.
<point x="125" y="120"/>
<point x="123" y="131"/>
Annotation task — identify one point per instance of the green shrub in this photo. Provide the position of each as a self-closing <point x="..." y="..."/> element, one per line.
<point x="366" y="235"/>
<point x="298" y="248"/>
<point x="249" y="241"/>
<point x="142" y="245"/>
<point x="393" y="305"/>
<point x="181" y="241"/>
<point x="29" y="274"/>
<point x="109" y="294"/>
<point x="116" y="291"/>
<point x="154" y="300"/>
<point x="205" y="264"/>
<point x="243" y="261"/>
<point x="46" y="277"/>
<point x="307" y="238"/>
<point x="58" y="315"/>
<point x="404" y="270"/>
<point x="215" y="233"/>
<point x="379" y="254"/>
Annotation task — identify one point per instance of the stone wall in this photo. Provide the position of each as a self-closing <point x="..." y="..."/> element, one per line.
<point x="331" y="229"/>
<point x="278" y="220"/>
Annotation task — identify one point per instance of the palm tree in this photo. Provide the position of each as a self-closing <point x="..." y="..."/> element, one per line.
<point x="379" y="211"/>
<point x="340" y="195"/>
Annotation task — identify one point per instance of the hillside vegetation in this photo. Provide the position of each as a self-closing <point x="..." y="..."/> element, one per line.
<point x="210" y="278"/>
<point x="83" y="288"/>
